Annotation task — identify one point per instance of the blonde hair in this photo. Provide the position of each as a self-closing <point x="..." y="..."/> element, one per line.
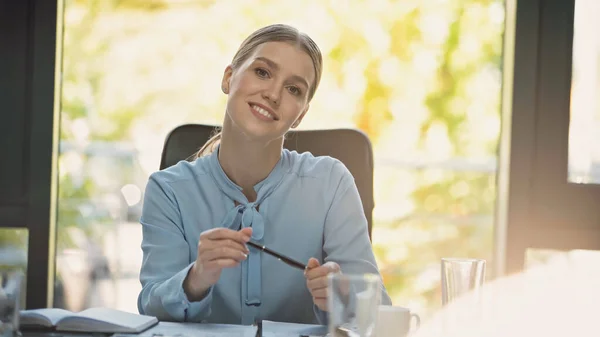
<point x="271" y="33"/>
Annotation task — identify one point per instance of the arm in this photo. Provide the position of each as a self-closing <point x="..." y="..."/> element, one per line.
<point x="166" y="262"/>
<point x="346" y="236"/>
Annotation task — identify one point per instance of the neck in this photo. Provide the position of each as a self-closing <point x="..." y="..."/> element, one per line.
<point x="246" y="162"/>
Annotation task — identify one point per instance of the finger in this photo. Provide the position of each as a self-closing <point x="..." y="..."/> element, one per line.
<point x="207" y="245"/>
<point x="246" y="231"/>
<point x="222" y="263"/>
<point x="316" y="284"/>
<point x="223" y="253"/>
<point x="334" y="267"/>
<point x="317" y="272"/>
<point x="225" y="233"/>
<point x="234" y="245"/>
<point x="320" y="293"/>
<point x="312" y="263"/>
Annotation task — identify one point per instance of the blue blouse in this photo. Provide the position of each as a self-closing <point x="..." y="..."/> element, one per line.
<point x="309" y="207"/>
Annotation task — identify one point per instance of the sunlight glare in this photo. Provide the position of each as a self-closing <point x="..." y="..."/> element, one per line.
<point x="132" y="194"/>
<point x="556" y="299"/>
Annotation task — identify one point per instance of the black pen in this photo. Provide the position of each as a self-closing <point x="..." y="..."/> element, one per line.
<point x="280" y="257"/>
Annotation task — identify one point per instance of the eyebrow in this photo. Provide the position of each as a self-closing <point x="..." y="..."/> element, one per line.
<point x="275" y="66"/>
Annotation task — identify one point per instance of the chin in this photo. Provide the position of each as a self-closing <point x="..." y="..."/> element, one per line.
<point x="260" y="131"/>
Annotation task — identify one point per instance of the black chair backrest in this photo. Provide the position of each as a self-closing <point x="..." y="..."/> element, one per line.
<point x="351" y="147"/>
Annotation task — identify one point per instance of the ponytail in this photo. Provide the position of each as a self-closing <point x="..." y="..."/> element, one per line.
<point x="208" y="147"/>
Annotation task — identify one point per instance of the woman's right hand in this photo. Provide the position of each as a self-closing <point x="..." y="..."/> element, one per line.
<point x="218" y="248"/>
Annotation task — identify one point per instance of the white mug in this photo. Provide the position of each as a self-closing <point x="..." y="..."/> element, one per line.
<point x="395" y="321"/>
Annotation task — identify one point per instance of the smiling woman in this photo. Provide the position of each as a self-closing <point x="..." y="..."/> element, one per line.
<point x="199" y="216"/>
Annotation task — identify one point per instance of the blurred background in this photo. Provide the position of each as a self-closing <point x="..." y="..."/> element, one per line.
<point x="422" y="78"/>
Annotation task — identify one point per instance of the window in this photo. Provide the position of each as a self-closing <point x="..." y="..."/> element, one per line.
<point x="421" y="78"/>
<point x="584" y="133"/>
<point x="13" y="247"/>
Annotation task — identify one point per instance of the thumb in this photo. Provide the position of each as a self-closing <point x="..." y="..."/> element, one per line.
<point x="246" y="231"/>
<point x="312" y="263"/>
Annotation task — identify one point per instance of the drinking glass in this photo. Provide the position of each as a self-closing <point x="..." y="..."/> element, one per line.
<point x="353" y="303"/>
<point x="10" y="298"/>
<point x="460" y="276"/>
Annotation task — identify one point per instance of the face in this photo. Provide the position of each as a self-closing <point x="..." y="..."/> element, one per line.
<point x="268" y="93"/>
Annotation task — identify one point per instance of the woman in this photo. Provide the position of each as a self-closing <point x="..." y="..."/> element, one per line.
<point x="198" y="216"/>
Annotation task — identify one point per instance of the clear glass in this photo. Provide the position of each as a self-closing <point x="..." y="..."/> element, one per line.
<point x="584" y="127"/>
<point x="461" y="276"/>
<point x="11" y="284"/>
<point x="353" y="304"/>
<point x="13" y="256"/>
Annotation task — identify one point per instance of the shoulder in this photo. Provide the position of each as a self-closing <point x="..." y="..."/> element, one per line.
<point x="306" y="165"/>
<point x="181" y="173"/>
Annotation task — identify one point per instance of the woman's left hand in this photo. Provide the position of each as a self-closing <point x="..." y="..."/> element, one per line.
<point x="316" y="280"/>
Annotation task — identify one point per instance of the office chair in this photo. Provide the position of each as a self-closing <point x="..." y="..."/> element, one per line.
<point x="351" y="147"/>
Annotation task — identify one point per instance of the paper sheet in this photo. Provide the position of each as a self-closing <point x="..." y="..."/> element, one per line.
<point x="281" y="329"/>
<point x="171" y="329"/>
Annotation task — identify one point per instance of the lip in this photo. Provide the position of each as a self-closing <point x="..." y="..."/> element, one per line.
<point x="275" y="117"/>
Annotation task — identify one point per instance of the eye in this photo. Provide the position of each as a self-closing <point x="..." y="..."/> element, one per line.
<point x="260" y="72"/>
<point x="294" y="90"/>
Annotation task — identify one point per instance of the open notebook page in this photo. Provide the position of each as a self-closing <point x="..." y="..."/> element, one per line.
<point x="42" y="315"/>
<point x="104" y="319"/>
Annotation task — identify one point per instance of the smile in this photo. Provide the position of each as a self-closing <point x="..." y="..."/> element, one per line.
<point x="262" y="112"/>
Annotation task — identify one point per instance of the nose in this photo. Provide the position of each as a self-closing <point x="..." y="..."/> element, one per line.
<point x="272" y="94"/>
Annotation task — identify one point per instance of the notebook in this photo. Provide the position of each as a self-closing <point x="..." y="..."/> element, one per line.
<point x="90" y="320"/>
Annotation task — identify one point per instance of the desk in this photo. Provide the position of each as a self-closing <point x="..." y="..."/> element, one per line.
<point x="171" y="329"/>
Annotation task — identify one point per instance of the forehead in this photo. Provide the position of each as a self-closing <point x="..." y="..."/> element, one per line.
<point x="291" y="59"/>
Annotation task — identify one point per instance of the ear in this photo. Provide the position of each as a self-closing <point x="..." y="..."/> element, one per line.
<point x="299" y="119"/>
<point x="225" y="82"/>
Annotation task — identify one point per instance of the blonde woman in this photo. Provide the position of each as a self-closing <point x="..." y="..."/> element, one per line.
<point x="198" y="216"/>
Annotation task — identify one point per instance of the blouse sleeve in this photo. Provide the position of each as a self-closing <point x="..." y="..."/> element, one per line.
<point x="166" y="259"/>
<point x="346" y="235"/>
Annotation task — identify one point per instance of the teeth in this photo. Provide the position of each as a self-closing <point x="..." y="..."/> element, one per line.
<point x="262" y="111"/>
